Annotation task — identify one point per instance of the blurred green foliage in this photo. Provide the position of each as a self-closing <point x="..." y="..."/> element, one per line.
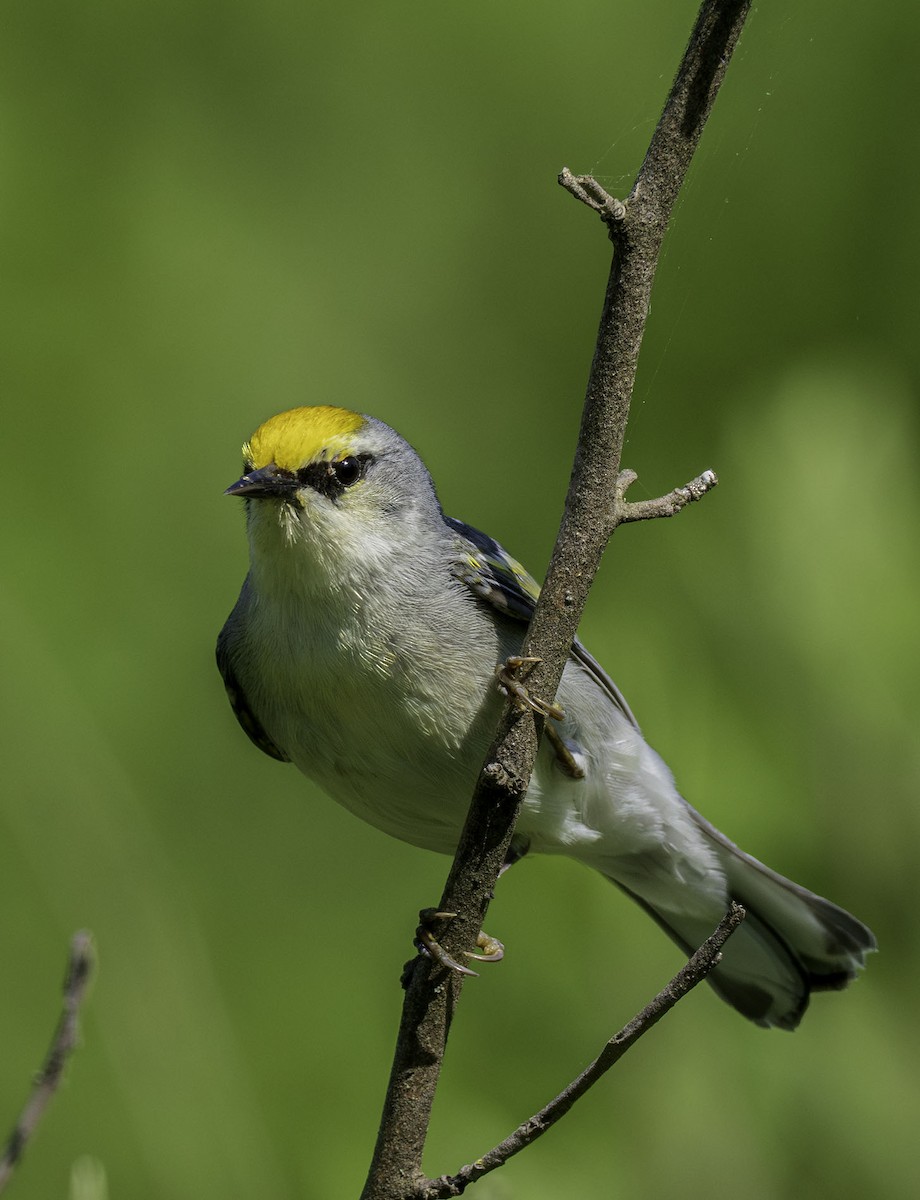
<point x="214" y="212"/>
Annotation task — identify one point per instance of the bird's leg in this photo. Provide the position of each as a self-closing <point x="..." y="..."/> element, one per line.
<point x="427" y="943"/>
<point x="492" y="949"/>
<point x="516" y="851"/>
<point x="509" y="683"/>
<point x="565" y="759"/>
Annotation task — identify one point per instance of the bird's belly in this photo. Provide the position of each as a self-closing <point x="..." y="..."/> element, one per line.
<point x="411" y="787"/>
<point x="403" y="758"/>
<point x="390" y="735"/>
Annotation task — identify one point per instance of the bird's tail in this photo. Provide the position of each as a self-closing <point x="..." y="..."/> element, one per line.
<point x="791" y="943"/>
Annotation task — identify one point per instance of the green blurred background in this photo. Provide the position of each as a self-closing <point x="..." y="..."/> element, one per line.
<point x="212" y="212"/>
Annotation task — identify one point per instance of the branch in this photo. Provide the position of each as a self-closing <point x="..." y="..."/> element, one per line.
<point x="62" y="1046"/>
<point x="592" y="512"/>
<point x="664" y="506"/>
<point x="692" y="973"/>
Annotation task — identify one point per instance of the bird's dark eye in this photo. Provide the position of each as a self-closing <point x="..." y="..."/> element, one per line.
<point x="347" y="470"/>
<point x="331" y="478"/>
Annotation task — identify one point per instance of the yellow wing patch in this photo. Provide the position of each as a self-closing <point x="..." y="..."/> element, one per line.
<point x="302" y="435"/>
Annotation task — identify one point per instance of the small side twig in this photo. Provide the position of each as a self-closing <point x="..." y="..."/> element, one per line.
<point x="586" y="189"/>
<point x="79" y="969"/>
<point x="692" y="973"/>
<point x="663" y="506"/>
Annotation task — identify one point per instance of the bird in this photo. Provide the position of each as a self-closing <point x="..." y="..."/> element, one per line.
<point x="363" y="649"/>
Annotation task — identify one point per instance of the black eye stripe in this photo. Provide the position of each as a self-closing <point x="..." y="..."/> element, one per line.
<point x="333" y="478"/>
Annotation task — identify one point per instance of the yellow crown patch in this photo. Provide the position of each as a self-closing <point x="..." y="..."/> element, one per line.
<point x="302" y="435"/>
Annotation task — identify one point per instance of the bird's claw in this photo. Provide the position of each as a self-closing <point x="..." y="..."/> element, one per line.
<point x="506" y="674"/>
<point x="492" y="949"/>
<point x="427" y="943"/>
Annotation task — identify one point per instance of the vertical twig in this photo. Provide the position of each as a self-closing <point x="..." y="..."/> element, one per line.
<point x="62" y="1046"/>
<point x="594" y="506"/>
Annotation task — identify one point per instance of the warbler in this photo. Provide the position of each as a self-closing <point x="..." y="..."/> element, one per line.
<point x="363" y="649"/>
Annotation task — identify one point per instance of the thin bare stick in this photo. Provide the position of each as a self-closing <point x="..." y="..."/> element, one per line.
<point x="637" y="228"/>
<point x="586" y="189"/>
<point x="663" y="506"/>
<point x="692" y="973"/>
<point x="79" y="969"/>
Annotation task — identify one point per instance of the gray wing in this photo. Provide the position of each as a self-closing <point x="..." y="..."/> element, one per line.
<point x="496" y="578"/>
<point x="238" y="702"/>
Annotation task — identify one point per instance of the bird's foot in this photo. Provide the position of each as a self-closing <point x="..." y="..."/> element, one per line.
<point x="427" y="943"/>
<point x="506" y="673"/>
<point x="508" y="682"/>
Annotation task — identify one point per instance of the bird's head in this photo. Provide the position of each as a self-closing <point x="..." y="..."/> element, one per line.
<point x="334" y="489"/>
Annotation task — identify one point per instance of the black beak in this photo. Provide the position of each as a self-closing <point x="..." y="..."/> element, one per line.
<point x="265" y="483"/>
